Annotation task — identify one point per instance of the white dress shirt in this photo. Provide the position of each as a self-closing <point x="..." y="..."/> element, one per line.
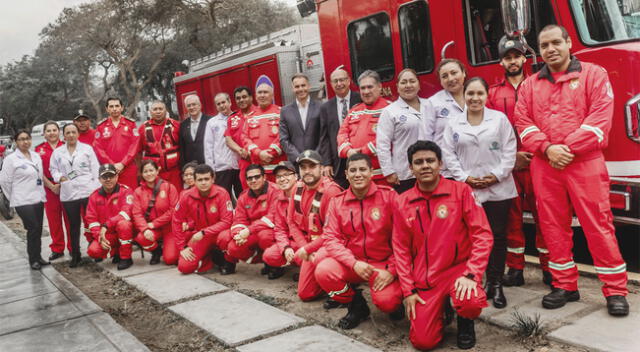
<point x="194" y="126"/>
<point x="339" y="103"/>
<point x="80" y="168"/>
<point x="477" y="151"/>
<point x="216" y="152"/>
<point x="440" y="109"/>
<point x="399" y="126"/>
<point x="21" y="179"/>
<point x="304" y="111"/>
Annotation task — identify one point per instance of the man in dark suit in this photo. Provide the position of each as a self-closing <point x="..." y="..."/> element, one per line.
<point x="192" y="132"/>
<point x="332" y="113"/>
<point x="299" y="121"/>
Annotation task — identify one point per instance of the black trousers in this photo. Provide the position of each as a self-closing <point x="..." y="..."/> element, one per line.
<point x="498" y="215"/>
<point x="74" y="210"/>
<point x="32" y="216"/>
<point x="229" y="180"/>
<point x="405" y="185"/>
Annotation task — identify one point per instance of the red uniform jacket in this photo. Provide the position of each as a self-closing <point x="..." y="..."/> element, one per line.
<point x="108" y="209"/>
<point x="261" y="132"/>
<point x="162" y="210"/>
<point x="306" y="218"/>
<point x="576" y="110"/>
<point x="211" y="214"/>
<point x="235" y="125"/>
<point x="256" y="213"/>
<point x="88" y="137"/>
<point x="432" y="233"/>
<point x="116" y="144"/>
<point x="361" y="229"/>
<point x="44" y="150"/>
<point x="359" y="132"/>
<point x="159" y="142"/>
<point x="282" y="237"/>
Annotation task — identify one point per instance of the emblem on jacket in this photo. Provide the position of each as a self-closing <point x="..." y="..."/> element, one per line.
<point x="213" y="209"/>
<point x="494" y="146"/>
<point x="444" y="112"/>
<point x="575" y="83"/>
<point x="163" y="194"/>
<point x="229" y="206"/>
<point x="442" y="211"/>
<point x="375" y="214"/>
<point x="456" y="137"/>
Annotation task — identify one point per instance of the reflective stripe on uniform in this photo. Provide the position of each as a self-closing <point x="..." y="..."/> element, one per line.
<point x="372" y="148"/>
<point x="267" y="221"/>
<point x="566" y="266"/>
<point x="248" y="261"/>
<point x="274" y="146"/>
<point x="239" y="225"/>
<point x="607" y="271"/>
<point x="251" y="146"/>
<point x="528" y="130"/>
<point x="343" y="145"/>
<point x="597" y="131"/>
<point x="123" y="242"/>
<point x="543" y="250"/>
<point x="125" y="215"/>
<point x="339" y="292"/>
<point x="269" y="167"/>
<point x="94" y="224"/>
<point x="516" y="250"/>
<point x="315" y="203"/>
<point x="377" y="172"/>
<point x="149" y="246"/>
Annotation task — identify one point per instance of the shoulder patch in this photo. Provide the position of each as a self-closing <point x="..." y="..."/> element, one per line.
<point x="130" y="119"/>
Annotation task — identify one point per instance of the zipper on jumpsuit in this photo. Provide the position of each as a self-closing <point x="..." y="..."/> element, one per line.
<point x="364" y="244"/>
<point x="426" y="242"/>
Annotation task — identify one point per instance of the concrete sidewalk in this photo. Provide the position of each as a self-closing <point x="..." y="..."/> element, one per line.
<point x="43" y="311"/>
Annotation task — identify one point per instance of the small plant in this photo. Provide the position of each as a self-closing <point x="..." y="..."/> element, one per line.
<point x="525" y="325"/>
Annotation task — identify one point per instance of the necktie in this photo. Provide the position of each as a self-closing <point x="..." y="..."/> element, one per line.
<point x="343" y="114"/>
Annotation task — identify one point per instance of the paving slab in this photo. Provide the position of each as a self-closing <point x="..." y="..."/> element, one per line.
<point x="516" y="296"/>
<point x="8" y="252"/>
<point x="36" y="311"/>
<point x="18" y="281"/>
<point x="599" y="331"/>
<point x="547" y="316"/>
<point x="79" y="300"/>
<point x="309" y="339"/>
<point x="117" y="335"/>
<point x="234" y="318"/>
<point x="170" y="285"/>
<point x="140" y="266"/>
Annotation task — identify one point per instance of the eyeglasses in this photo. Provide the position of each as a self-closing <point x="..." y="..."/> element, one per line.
<point x="281" y="176"/>
<point x="254" y="178"/>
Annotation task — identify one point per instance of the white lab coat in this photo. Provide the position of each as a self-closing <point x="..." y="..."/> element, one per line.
<point x="441" y="108"/>
<point x="21" y="179"/>
<point x="477" y="151"/>
<point x="400" y="126"/>
<point x="216" y="152"/>
<point x="81" y="168"/>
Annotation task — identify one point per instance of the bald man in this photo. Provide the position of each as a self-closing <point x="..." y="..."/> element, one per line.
<point x="192" y="131"/>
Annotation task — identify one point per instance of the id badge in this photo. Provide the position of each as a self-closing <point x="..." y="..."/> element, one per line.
<point x="73" y="174"/>
<point x="39" y="182"/>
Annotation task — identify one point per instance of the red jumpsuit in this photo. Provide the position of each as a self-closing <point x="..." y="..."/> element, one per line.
<point x="159" y="142"/>
<point x="257" y="215"/>
<point x="235" y="125"/>
<point x="262" y="132"/>
<point x="502" y="97"/>
<point x="437" y="238"/>
<point x="87" y="137"/>
<point x="274" y="255"/>
<point x="211" y="214"/>
<point x="306" y="215"/>
<point x="159" y="215"/>
<point x="112" y="211"/>
<point x="359" y="230"/>
<point x="118" y="145"/>
<point x="53" y="206"/>
<point x="358" y="131"/>
<point x="574" y="108"/>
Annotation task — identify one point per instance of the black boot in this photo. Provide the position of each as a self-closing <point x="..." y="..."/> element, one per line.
<point x="76" y="258"/>
<point x="115" y="259"/>
<point x="559" y="297"/>
<point x="55" y="255"/>
<point x="466" y="333"/>
<point x="98" y="260"/>
<point x="331" y="304"/>
<point x="617" y="306"/>
<point x="264" y="270"/>
<point x="296" y="277"/>
<point x="448" y="313"/>
<point x="513" y="277"/>
<point x="125" y="264"/>
<point x="397" y="314"/>
<point x="155" y="256"/>
<point x="218" y="257"/>
<point x="546" y="277"/>
<point x="227" y="268"/>
<point x="275" y="272"/>
<point x="499" y="299"/>
<point x="358" y="312"/>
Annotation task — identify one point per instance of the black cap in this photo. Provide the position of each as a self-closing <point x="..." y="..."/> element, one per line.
<point x="81" y="115"/>
<point x="106" y="169"/>
<point x="287" y="165"/>
<point x="506" y="44"/>
<point x="310" y="155"/>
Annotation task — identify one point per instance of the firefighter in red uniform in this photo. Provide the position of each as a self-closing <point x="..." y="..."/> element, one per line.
<point x="357" y="133"/>
<point x="109" y="217"/>
<point x="358" y="244"/>
<point x="451" y="263"/>
<point x="116" y="142"/>
<point x="502" y="97"/>
<point x="86" y="133"/>
<point x="253" y="222"/>
<point x="201" y="214"/>
<point x="261" y="132"/>
<point x="159" y="142"/>
<point x="153" y="204"/>
<point x="564" y="115"/>
<point x="235" y="124"/>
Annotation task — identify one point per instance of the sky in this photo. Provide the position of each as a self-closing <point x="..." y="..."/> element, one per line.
<point x="22" y="20"/>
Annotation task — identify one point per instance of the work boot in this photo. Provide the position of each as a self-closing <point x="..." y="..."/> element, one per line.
<point x="43" y="262"/>
<point x="331" y="304"/>
<point x="265" y="270"/>
<point x="115" y="259"/>
<point x="98" y="260"/>
<point x="448" y="312"/>
<point x="546" y="277"/>
<point x="397" y="314"/>
<point x="513" y="277"/>
<point x="559" y="297"/>
<point x="218" y="257"/>
<point x="55" y="255"/>
<point x="125" y="263"/>
<point x="617" y="306"/>
<point x="466" y="333"/>
<point x="275" y="272"/>
<point x="227" y="268"/>
<point x="76" y="258"/>
<point x="495" y="294"/>
<point x="296" y="277"/>
<point x="358" y="312"/>
<point x="155" y="256"/>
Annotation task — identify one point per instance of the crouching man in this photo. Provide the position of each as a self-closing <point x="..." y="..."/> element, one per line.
<point x="202" y="213"/>
<point x="441" y="244"/>
<point x="358" y="244"/>
<point x="109" y="217"/>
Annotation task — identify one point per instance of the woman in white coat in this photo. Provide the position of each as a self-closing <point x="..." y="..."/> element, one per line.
<point x="21" y="181"/>
<point x="75" y="166"/>
<point x="480" y="149"/>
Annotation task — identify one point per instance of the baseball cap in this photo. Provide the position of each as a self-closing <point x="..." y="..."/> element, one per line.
<point x="106" y="169"/>
<point x="81" y="115"/>
<point x="287" y="165"/>
<point x="310" y="155"/>
<point x="507" y="44"/>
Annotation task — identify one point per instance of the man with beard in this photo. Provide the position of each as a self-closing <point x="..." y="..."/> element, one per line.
<point x="502" y="97"/>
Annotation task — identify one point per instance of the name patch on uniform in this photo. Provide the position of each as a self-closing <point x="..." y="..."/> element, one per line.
<point x="375" y="214"/>
<point x="442" y="211"/>
<point x="229" y="206"/>
<point x="163" y="194"/>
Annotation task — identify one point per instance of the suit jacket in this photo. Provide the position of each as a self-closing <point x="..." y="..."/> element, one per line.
<point x="295" y="139"/>
<point x="191" y="150"/>
<point x="329" y="126"/>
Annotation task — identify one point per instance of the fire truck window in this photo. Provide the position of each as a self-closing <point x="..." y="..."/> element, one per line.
<point x="370" y="46"/>
<point x="415" y="34"/>
<point x="484" y="26"/>
<point x="603" y="21"/>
